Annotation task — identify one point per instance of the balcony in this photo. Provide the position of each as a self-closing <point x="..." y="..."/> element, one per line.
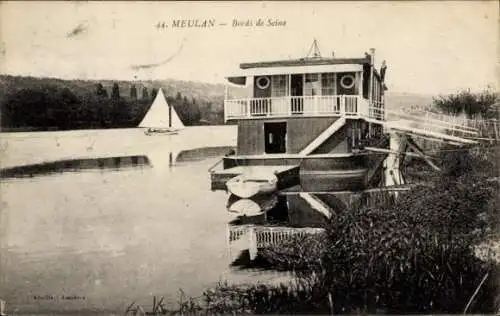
<point x="303" y="106"/>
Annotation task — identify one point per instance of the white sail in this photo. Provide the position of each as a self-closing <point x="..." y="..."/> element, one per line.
<point x="158" y="115"/>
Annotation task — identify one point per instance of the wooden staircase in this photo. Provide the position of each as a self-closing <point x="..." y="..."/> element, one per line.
<point x="327" y="133"/>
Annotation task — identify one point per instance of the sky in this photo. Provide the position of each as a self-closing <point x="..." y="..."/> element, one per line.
<point x="430" y="47"/>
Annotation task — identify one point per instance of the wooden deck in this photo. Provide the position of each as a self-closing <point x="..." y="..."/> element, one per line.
<point x="287" y="175"/>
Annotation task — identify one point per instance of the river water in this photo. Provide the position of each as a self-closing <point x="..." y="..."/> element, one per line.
<point x="107" y="237"/>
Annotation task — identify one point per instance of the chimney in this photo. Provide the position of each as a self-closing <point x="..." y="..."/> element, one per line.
<point x="372" y="54"/>
<point x="333" y="54"/>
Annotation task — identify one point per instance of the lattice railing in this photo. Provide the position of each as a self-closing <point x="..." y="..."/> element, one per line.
<point x="265" y="236"/>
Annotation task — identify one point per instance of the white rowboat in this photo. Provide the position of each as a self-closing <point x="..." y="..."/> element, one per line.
<point x="248" y="185"/>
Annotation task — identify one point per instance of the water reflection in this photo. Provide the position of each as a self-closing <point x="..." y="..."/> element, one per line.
<point x="267" y="220"/>
<point x="201" y="153"/>
<point x="157" y="159"/>
<point x="75" y="165"/>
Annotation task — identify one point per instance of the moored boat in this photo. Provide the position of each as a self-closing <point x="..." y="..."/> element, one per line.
<point x="251" y="206"/>
<point x="250" y="184"/>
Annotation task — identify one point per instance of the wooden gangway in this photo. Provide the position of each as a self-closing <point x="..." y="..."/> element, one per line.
<point x="429" y="132"/>
<point x="431" y="126"/>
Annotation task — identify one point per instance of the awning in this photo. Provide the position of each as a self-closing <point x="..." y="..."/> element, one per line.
<point x="296" y="70"/>
<point x="238" y="80"/>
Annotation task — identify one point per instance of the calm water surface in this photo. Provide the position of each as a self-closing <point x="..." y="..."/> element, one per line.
<point x="111" y="236"/>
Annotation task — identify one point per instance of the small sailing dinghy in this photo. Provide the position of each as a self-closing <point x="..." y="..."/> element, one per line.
<point x="250" y="184"/>
<point x="161" y="119"/>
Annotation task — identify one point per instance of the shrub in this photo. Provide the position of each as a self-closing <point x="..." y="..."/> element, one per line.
<point x="471" y="104"/>
<point x="301" y="254"/>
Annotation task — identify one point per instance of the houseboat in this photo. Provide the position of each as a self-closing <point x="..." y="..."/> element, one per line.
<point x="314" y="133"/>
<point x="305" y="121"/>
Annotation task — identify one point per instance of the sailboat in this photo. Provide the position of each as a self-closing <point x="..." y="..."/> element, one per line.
<point x="161" y="118"/>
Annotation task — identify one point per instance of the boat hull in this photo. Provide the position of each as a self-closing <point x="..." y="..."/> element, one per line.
<point x="246" y="187"/>
<point x="265" y="202"/>
<point x="287" y="175"/>
<point x="161" y="131"/>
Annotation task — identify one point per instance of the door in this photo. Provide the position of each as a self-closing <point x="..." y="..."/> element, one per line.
<point x="297" y="91"/>
<point x="275" y="137"/>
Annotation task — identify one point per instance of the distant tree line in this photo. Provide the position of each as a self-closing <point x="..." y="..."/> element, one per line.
<point x="48" y="106"/>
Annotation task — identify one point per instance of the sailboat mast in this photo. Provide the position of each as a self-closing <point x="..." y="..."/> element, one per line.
<point x="170" y="115"/>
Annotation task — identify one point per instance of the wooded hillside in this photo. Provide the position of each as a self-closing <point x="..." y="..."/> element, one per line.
<point x="47" y="103"/>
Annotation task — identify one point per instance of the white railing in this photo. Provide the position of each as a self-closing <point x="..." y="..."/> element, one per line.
<point x="236" y="232"/>
<point x="326" y="105"/>
<point x="272" y="236"/>
<point x="433" y="122"/>
<point x="487" y="129"/>
<point x="377" y="111"/>
<point x="266" y="236"/>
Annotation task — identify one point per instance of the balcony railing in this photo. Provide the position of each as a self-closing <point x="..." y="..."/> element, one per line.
<point x="327" y="105"/>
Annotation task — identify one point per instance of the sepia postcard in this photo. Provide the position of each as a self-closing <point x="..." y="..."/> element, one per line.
<point x="249" y="157"/>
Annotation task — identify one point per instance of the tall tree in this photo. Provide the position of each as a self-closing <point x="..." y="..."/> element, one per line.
<point x="154" y="92"/>
<point x="133" y="92"/>
<point x="117" y="106"/>
<point x="115" y="93"/>
<point x="66" y="108"/>
<point x="145" y="94"/>
<point x="101" y="91"/>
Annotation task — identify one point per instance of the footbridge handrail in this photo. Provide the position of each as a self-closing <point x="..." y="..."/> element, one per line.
<point x="427" y="120"/>
<point x="441" y="117"/>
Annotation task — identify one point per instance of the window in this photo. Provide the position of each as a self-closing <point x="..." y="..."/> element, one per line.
<point x="279" y="86"/>
<point x="328" y="83"/>
<point x="263" y="82"/>
<point x="312" y="85"/>
<point x="347" y="81"/>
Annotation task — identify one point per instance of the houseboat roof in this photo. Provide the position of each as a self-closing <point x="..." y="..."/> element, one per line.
<point x="302" y="65"/>
<point x="306" y="62"/>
